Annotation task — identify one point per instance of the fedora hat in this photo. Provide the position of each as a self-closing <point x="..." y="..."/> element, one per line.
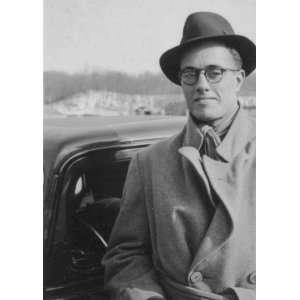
<point x="204" y="27"/>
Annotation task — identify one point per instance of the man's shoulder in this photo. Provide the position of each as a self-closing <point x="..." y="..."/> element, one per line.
<point x="249" y="115"/>
<point x="248" y="131"/>
<point x="164" y="147"/>
<point x="248" y="121"/>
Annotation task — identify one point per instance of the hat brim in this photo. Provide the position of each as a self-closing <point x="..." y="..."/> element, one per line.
<point x="170" y="60"/>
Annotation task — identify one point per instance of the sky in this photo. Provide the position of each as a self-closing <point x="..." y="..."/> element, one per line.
<point x="127" y="36"/>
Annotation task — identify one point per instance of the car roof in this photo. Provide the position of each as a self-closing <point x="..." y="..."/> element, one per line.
<point x="64" y="136"/>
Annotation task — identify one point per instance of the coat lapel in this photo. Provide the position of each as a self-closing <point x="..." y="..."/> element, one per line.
<point x="221" y="180"/>
<point x="193" y="156"/>
<point x="222" y="223"/>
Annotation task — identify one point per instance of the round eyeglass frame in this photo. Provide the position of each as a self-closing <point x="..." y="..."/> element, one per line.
<point x="205" y="72"/>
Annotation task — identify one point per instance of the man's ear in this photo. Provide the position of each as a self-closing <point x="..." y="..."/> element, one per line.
<point x="240" y="78"/>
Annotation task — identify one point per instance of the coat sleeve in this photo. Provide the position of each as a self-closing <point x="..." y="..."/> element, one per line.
<point x="129" y="273"/>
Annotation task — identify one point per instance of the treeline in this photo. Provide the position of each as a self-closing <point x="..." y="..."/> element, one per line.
<point x="60" y="85"/>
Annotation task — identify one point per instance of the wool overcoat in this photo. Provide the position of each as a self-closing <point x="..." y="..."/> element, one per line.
<point x="186" y="228"/>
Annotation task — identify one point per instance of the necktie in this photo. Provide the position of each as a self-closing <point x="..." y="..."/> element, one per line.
<point x="210" y="142"/>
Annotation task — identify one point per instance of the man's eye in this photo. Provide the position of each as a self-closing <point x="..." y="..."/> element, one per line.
<point x="189" y="74"/>
<point x="214" y="73"/>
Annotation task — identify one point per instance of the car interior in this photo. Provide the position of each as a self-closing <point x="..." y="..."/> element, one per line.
<point x="88" y="207"/>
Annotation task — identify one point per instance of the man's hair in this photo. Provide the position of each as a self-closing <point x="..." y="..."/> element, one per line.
<point x="235" y="54"/>
<point x="236" y="57"/>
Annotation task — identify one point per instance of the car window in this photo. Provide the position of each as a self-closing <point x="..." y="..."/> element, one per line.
<point x="78" y="185"/>
<point x="88" y="206"/>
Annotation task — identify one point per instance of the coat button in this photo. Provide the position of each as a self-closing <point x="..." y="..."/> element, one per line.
<point x="196" y="276"/>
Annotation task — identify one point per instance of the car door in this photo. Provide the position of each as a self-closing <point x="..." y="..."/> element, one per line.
<point x="85" y="205"/>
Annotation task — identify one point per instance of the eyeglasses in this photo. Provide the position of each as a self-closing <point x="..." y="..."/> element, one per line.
<point x="213" y="74"/>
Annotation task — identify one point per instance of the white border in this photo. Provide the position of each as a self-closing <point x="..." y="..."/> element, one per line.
<point x="278" y="149"/>
<point x="21" y="213"/>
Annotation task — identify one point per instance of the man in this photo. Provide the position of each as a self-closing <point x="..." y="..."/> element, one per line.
<point x="186" y="229"/>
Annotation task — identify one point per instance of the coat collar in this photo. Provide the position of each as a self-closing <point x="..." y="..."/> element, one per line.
<point x="240" y="132"/>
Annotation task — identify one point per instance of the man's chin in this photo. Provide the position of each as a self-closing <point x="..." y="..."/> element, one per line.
<point x="204" y="116"/>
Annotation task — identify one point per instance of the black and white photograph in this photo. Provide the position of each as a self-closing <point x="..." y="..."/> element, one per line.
<point x="128" y="150"/>
<point x="149" y="153"/>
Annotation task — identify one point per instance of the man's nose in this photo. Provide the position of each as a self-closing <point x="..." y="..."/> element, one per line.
<point x="202" y="83"/>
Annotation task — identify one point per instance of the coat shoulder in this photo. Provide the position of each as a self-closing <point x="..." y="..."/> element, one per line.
<point x="251" y="129"/>
<point x="163" y="148"/>
<point x="250" y="118"/>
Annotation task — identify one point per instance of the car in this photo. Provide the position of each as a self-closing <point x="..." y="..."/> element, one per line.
<point x="85" y="166"/>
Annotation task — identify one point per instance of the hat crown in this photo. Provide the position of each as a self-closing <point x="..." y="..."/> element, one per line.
<point x="205" y="24"/>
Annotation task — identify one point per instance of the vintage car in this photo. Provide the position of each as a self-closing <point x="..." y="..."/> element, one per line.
<point x="85" y="165"/>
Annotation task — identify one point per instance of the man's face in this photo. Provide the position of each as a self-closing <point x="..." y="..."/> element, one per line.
<point x="206" y="101"/>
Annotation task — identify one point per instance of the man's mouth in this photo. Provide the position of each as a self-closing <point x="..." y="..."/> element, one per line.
<point x="202" y="98"/>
